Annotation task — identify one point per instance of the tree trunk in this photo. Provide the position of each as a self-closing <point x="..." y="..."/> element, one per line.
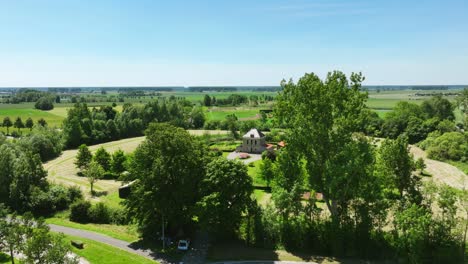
<point x="12" y="255"/>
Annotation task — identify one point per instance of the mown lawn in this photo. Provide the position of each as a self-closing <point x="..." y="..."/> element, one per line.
<point x="253" y="170"/>
<point x="99" y="253"/>
<point x="123" y="232"/>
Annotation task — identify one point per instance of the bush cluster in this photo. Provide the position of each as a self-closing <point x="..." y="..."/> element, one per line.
<point x="83" y="211"/>
<point x="55" y="198"/>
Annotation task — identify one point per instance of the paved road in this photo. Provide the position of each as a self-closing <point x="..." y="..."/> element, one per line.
<point x="129" y="247"/>
<point x="253" y="157"/>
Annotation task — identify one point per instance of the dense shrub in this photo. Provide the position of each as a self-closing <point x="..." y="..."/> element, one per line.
<point x="44" y="103"/>
<point x="448" y="146"/>
<point x="79" y="211"/>
<point x="55" y="198"/>
<point x="100" y="214"/>
<point x="74" y="193"/>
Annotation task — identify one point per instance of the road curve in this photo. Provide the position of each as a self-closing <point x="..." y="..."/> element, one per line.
<point x="129" y="247"/>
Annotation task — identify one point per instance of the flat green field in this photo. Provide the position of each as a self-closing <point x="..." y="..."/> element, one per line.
<point x="242" y="113"/>
<point x="52" y="120"/>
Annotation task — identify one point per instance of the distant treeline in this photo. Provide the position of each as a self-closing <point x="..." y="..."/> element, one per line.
<point x="233" y="88"/>
<point x="414" y="87"/>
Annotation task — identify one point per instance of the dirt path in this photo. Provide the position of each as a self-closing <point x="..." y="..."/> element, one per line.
<point x="441" y="172"/>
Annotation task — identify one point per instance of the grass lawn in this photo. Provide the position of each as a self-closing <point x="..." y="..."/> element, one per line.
<point x="5" y="259"/>
<point x="99" y="253"/>
<point x="219" y="113"/>
<point x="24" y="113"/>
<point x="123" y="232"/>
<point x="254" y="172"/>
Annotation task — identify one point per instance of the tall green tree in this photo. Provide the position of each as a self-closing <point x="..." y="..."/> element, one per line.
<point x="207" y="100"/>
<point x="29" y="123"/>
<point x="93" y="172"/>
<point x="7" y="123"/>
<point x="83" y="157"/>
<point x="267" y="170"/>
<point x="396" y="164"/>
<point x="169" y="166"/>
<point x="118" y="162"/>
<point x="103" y="158"/>
<point x="226" y="192"/>
<point x="42" y="122"/>
<point x="322" y="117"/>
<point x="438" y="107"/>
<point x="18" y="124"/>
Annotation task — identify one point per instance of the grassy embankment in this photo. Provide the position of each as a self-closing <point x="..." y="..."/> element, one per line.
<point x="99" y="253"/>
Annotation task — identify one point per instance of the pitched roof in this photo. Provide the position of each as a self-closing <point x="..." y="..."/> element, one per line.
<point x="254" y="133"/>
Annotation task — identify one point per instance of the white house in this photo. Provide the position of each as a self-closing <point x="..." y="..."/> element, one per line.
<point x="253" y="142"/>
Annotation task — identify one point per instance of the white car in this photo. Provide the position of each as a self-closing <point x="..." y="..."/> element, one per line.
<point x="183" y="245"/>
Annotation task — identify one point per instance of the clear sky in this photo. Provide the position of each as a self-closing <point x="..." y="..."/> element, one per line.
<point x="241" y="42"/>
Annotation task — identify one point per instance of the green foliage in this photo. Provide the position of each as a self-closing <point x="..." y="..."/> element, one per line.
<point x="83" y="157"/>
<point x="448" y="146"/>
<point x="420" y="165"/>
<point x="231" y="122"/>
<point x="322" y="116"/>
<point x="20" y="176"/>
<point x="29" y="123"/>
<point x="93" y="172"/>
<point x="226" y="192"/>
<point x="79" y="211"/>
<point x="397" y="120"/>
<point x="412" y="230"/>
<point x="44" y="103"/>
<point x="169" y="166"/>
<point x="395" y="165"/>
<point x="34" y="241"/>
<point x="7" y="123"/>
<point x="438" y="107"/>
<point x="41" y="122"/>
<point x="103" y="158"/>
<point x="267" y="171"/>
<point x="18" y="124"/>
<point x="118" y="162"/>
<point x="207" y="100"/>
<point x="46" y="142"/>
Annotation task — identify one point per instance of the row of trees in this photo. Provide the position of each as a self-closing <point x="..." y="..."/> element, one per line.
<point x="101" y="165"/>
<point x="105" y="124"/>
<point x="236" y="99"/>
<point x="19" y="124"/>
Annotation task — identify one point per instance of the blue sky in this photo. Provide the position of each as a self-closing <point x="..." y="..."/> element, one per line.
<point x="139" y="42"/>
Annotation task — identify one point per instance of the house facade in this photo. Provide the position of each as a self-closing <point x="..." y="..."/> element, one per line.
<point x="253" y="142"/>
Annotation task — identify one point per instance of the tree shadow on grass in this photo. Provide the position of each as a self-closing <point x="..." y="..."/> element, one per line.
<point x="155" y="251"/>
<point x="238" y="251"/>
<point x="4" y="258"/>
<point x="99" y="193"/>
